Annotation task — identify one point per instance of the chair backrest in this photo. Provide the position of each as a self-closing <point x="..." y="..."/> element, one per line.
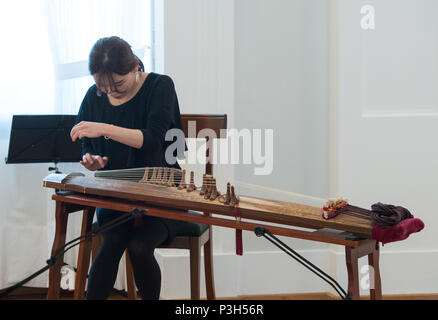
<point x="215" y="122"/>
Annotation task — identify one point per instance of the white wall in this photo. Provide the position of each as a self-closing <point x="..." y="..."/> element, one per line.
<point x="387" y="107"/>
<point x="265" y="64"/>
<point x="281" y="77"/>
<point x="295" y="66"/>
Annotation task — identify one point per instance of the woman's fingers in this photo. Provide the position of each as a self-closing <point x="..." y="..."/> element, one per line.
<point x="84" y="158"/>
<point x="99" y="161"/>
<point x="94" y="163"/>
<point x="85" y="164"/>
<point x="89" y="163"/>
<point x="86" y="129"/>
<point x="74" y="134"/>
<point x="89" y="159"/>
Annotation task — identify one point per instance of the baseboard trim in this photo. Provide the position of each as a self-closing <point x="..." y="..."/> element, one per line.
<point x="329" y="296"/>
<point x="30" y="293"/>
<point x="237" y="276"/>
<point x="27" y="293"/>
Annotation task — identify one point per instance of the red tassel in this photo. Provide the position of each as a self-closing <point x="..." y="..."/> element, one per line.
<point x="239" y="242"/>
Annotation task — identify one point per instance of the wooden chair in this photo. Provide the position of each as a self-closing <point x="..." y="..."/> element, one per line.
<point x="193" y="238"/>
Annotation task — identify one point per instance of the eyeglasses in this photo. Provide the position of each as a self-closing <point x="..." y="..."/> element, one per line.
<point x="100" y="92"/>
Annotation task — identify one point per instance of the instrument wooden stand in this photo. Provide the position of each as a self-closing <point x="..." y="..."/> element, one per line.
<point x="354" y="249"/>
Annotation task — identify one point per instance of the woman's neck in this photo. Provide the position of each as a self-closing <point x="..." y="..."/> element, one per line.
<point x="132" y="93"/>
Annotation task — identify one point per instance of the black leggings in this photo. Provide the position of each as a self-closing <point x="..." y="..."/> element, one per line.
<point x="141" y="242"/>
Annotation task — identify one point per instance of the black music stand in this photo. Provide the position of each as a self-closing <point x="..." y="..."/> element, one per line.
<point x="43" y="139"/>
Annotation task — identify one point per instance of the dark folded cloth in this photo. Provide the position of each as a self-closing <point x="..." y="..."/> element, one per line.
<point x="387" y="215"/>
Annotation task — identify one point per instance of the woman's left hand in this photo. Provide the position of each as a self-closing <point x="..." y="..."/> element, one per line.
<point x="87" y="129"/>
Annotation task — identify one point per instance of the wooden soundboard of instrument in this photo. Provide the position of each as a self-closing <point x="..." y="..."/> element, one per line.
<point x="163" y="194"/>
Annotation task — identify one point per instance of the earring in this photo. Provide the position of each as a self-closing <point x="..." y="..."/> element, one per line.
<point x="137" y="77"/>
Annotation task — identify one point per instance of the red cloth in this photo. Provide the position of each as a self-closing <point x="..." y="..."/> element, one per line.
<point x="400" y="231"/>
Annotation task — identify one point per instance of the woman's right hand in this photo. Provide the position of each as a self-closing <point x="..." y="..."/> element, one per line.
<point x="94" y="163"/>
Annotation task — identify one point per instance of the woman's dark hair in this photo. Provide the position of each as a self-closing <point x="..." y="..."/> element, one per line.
<point x="112" y="55"/>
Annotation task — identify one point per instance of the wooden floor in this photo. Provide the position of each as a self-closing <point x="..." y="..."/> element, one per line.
<point x="40" y="294"/>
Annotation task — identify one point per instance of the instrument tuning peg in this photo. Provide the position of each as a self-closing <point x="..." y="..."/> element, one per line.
<point x="214" y="192"/>
<point x="145" y="176"/>
<point x="182" y="184"/>
<point x="192" y="186"/>
<point x="234" y="199"/>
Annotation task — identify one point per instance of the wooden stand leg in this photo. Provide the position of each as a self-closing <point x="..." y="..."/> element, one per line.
<point x="353" y="273"/>
<point x="61" y="217"/>
<point x="208" y="266"/>
<point x="84" y="255"/>
<point x="352" y="255"/>
<point x="376" y="287"/>
<point x="195" y="274"/>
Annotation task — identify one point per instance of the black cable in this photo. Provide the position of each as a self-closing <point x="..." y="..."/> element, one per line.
<point x="303" y="261"/>
<point x="322" y="273"/>
<point x="308" y="267"/>
<point x="136" y="212"/>
<point x="112" y="224"/>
